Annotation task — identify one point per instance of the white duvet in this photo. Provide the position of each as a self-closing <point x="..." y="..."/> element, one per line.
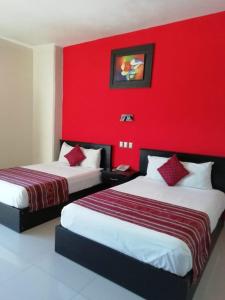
<point x="78" y="179"/>
<point x="155" y="248"/>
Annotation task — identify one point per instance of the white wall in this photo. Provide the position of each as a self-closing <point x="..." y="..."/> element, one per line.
<point x="16" y="104"/>
<point x="30" y="103"/>
<point x="58" y="100"/>
<point x="47" y="109"/>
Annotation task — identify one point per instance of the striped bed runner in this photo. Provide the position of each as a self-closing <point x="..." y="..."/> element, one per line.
<point x="43" y="189"/>
<point x="188" y="225"/>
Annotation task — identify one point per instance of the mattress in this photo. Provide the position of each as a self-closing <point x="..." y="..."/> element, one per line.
<point x="78" y="178"/>
<point x="157" y="249"/>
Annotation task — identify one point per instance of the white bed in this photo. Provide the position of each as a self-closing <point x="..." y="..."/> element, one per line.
<point x="78" y="178"/>
<point x="158" y="249"/>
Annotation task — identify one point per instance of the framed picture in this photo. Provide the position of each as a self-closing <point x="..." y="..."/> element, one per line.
<point x="131" y="67"/>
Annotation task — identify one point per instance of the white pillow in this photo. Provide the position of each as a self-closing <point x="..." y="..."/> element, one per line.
<point x="199" y="176"/>
<point x="93" y="158"/>
<point x="154" y="162"/>
<point x="63" y="151"/>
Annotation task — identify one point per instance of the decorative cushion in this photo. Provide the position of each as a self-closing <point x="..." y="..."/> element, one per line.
<point x="75" y="156"/>
<point x="172" y="171"/>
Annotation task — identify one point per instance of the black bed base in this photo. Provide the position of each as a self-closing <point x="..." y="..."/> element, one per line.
<point x="147" y="281"/>
<point x="20" y="220"/>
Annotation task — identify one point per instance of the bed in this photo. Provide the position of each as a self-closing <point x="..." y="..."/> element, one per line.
<point x="117" y="263"/>
<point x="14" y="210"/>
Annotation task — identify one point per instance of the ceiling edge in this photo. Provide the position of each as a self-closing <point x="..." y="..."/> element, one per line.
<point x="16" y="42"/>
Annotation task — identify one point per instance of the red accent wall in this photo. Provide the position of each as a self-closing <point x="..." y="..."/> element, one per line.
<point x="184" y="110"/>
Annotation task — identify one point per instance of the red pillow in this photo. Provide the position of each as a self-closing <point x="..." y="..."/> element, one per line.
<point x="75" y="156"/>
<point x="172" y="171"/>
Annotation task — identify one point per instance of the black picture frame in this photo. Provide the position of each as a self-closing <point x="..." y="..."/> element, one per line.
<point x="144" y="50"/>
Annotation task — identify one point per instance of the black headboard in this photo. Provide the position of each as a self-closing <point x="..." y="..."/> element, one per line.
<point x="218" y="169"/>
<point x="106" y="152"/>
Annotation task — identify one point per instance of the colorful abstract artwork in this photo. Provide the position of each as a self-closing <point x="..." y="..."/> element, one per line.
<point x="131" y="67"/>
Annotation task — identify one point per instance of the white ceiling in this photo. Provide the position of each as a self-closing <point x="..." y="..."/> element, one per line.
<point x="67" y="22"/>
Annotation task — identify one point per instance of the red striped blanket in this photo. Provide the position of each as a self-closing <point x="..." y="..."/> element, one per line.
<point x="190" y="226"/>
<point x="43" y="189"/>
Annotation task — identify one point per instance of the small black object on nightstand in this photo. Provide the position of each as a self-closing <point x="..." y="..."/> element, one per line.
<point x="111" y="178"/>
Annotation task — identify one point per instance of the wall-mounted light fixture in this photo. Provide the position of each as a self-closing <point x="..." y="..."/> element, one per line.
<point x="127" y="118"/>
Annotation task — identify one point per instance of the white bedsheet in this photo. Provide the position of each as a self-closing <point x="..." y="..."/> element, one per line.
<point x="155" y="248"/>
<point x="78" y="179"/>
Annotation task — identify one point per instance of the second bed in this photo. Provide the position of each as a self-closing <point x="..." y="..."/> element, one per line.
<point x="16" y="211"/>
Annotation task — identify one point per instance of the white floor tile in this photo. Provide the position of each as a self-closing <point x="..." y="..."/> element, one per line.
<point x="29" y="264"/>
<point x="10" y="264"/>
<point x="32" y="243"/>
<point x="212" y="284"/>
<point x="103" y="289"/>
<point x="79" y="297"/>
<point x="68" y="272"/>
<point x="36" y="285"/>
<point x="6" y="295"/>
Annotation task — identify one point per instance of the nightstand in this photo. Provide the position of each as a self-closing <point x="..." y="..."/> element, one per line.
<point x="111" y="178"/>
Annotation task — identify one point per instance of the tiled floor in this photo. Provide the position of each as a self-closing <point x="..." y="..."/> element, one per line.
<point x="31" y="270"/>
